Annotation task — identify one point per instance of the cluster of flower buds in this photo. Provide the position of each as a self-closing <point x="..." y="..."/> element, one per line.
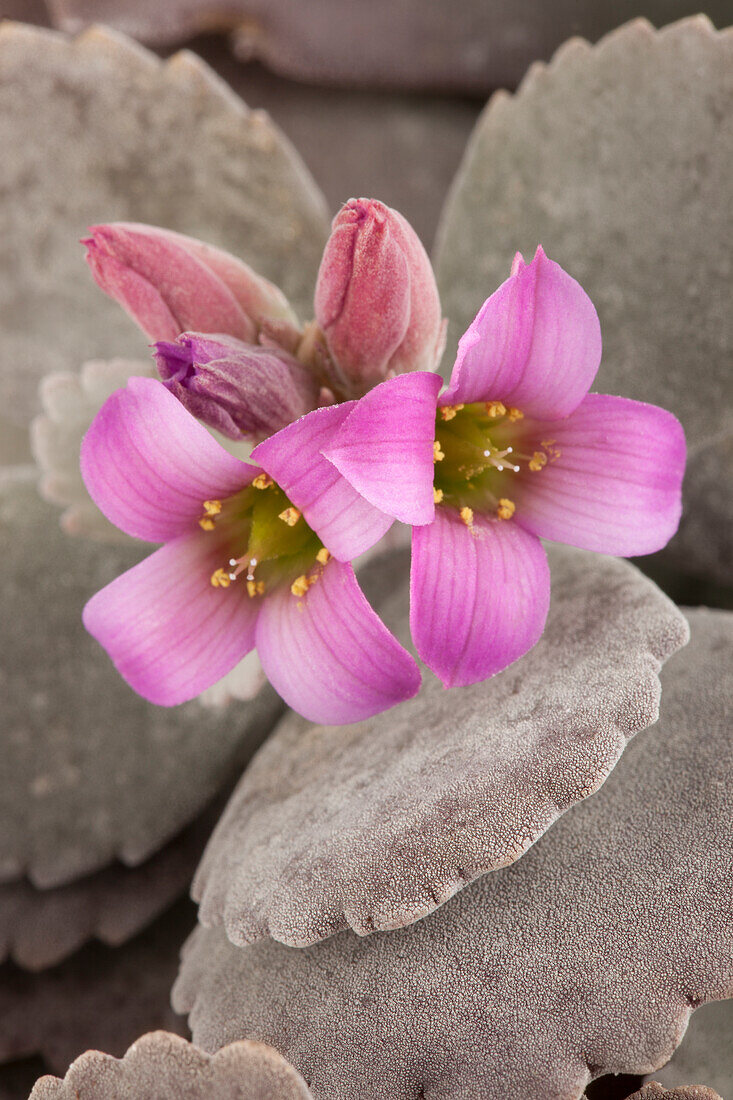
<point x="228" y="344"/>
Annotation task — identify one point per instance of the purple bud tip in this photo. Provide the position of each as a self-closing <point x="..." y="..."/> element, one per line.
<point x="175" y="361"/>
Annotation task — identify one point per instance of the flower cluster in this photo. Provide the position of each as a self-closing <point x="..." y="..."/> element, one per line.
<point x="352" y="432"/>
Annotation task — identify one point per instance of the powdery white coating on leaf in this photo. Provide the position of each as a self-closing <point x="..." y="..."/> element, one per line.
<point x="706" y="1052"/>
<point x="161" y="1066"/>
<point x="617" y="159"/>
<point x="102" y="998"/>
<point x="585" y="957"/>
<point x="90" y="771"/>
<point x="40" y="928"/>
<point x="374" y="825"/>
<point x="100" y="129"/>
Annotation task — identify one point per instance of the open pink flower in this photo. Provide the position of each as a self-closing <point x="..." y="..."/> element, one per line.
<point x="245" y="561"/>
<point x="522" y="452"/>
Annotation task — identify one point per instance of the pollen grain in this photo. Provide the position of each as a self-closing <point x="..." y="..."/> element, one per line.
<point x="290" y="516"/>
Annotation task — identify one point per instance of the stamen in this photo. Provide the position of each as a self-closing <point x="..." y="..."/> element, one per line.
<point x="438" y="455"/>
<point x="495" y="458"/>
<point x="301" y="584"/>
<point x="211" y="509"/>
<point x="549" y="445"/>
<point x="220" y="579"/>
<point x="506" y="508"/>
<point x="538" y="461"/>
<point x="466" y="515"/>
<point x="495" y="408"/>
<point x="514" y="414"/>
<point x="255" y="588"/>
<point x="449" y="411"/>
<point x="290" y="516"/>
<point x="323" y="555"/>
<point x="262" y="481"/>
<point x="437" y="495"/>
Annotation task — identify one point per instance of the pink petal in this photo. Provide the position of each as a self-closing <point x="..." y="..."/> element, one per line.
<point x="149" y="466"/>
<point x="534" y="344"/>
<point x="329" y="655"/>
<point x="344" y="521"/>
<point x="478" y="597"/>
<point x="616" y="486"/>
<point x="385" y="446"/>
<point x="170" y="633"/>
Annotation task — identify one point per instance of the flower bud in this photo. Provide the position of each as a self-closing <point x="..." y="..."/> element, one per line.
<point x="242" y="390"/>
<point x="170" y="283"/>
<point x="376" y="297"/>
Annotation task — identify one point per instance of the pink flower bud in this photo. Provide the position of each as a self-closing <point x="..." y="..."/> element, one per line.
<point x="376" y="298"/>
<point x="169" y="283"/>
<point x="242" y="390"/>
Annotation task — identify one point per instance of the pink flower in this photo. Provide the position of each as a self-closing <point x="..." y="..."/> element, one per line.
<point x="376" y="297"/>
<point x="170" y="283"/>
<point x="245" y="562"/>
<point x="522" y="452"/>
<point x="242" y="390"/>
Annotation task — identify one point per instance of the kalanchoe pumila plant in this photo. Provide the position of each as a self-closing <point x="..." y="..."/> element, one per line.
<point x="514" y="450"/>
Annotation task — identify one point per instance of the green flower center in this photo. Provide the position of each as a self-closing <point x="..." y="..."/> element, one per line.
<point x="264" y="540"/>
<point x="479" y="449"/>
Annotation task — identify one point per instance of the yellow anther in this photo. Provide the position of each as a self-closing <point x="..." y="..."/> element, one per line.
<point x="514" y="414"/>
<point x="212" y="507"/>
<point x="207" y="523"/>
<point x="323" y="555"/>
<point x="300" y="585"/>
<point x="449" y="411"/>
<point x="537" y="461"/>
<point x="549" y="445"/>
<point x="437" y="495"/>
<point x="495" y="408"/>
<point x="438" y="455"/>
<point x="262" y="481"/>
<point x="220" y="579"/>
<point x="255" y="588"/>
<point x="466" y="515"/>
<point x="290" y="516"/>
<point x="506" y="508"/>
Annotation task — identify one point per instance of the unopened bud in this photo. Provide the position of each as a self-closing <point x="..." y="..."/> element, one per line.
<point x="244" y="391"/>
<point x="376" y="297"/>
<point x="170" y="283"/>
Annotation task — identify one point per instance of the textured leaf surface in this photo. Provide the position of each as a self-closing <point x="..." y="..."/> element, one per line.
<point x="160" y="1066"/>
<point x="40" y="928"/>
<point x="98" y="129"/>
<point x="585" y="957"/>
<point x="374" y="825"/>
<point x="655" y="1091"/>
<point x="102" y="998"/>
<point x="90" y="771"/>
<point x="617" y="159"/>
